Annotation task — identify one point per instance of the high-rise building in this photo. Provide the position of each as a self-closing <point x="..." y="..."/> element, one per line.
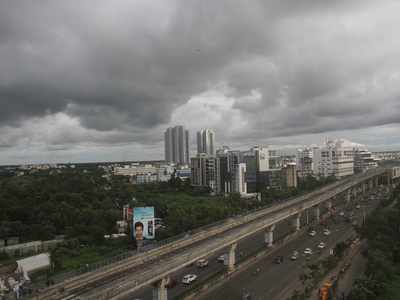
<point x="176" y="142"/>
<point x="304" y="161"/>
<point x="290" y="175"/>
<point x="206" y="141"/>
<point x="228" y="178"/>
<point x="240" y="184"/>
<point x="257" y="161"/>
<point x="203" y="171"/>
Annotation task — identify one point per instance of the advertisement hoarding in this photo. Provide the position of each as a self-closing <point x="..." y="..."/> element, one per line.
<point x="143" y="223"/>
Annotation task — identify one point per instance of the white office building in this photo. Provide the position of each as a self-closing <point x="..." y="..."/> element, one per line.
<point x="334" y="158"/>
<point x="229" y="179"/>
<point x="240" y="185"/>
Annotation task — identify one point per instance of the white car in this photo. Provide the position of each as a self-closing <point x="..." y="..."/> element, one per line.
<point x="312" y="233"/>
<point x="202" y="263"/>
<point x="189" y="278"/>
<point x="294" y="255"/>
<point x="308" y="251"/>
<point x="327" y="232"/>
<point x="221" y="258"/>
<point x="358" y="206"/>
<point x="321" y="245"/>
<point x="341" y="214"/>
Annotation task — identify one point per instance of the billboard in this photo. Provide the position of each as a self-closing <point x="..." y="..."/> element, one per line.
<point x="143" y="223"/>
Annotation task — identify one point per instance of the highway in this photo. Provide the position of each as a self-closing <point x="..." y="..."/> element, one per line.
<point x="275" y="281"/>
<point x="131" y="275"/>
<point x="247" y="247"/>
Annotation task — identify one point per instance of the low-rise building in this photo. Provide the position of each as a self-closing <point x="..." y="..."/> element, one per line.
<point x="364" y="160"/>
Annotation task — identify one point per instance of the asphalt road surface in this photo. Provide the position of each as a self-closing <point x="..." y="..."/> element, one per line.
<point x="273" y="281"/>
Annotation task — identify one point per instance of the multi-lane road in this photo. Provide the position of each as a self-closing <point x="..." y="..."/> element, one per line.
<point x="275" y="281"/>
<point x="272" y="280"/>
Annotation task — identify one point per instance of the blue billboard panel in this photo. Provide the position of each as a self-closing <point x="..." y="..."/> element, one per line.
<point x="143" y="223"/>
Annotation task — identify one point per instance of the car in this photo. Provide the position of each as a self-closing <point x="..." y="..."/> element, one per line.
<point x="295" y="255"/>
<point x="246" y="295"/>
<point x="189" y="278"/>
<point x="221" y="258"/>
<point x="312" y="233"/>
<point x="327" y="231"/>
<point x="321" y="245"/>
<point x="307" y="251"/>
<point x="278" y="260"/>
<point x="202" y="263"/>
<point x="341" y="214"/>
<point x="358" y="206"/>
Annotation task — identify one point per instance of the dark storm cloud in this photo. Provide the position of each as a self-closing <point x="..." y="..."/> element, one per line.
<point x="121" y="68"/>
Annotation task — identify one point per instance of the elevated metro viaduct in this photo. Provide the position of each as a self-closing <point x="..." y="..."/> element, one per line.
<point x="155" y="266"/>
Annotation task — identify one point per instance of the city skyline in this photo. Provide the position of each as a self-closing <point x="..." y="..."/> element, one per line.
<point x="106" y="87"/>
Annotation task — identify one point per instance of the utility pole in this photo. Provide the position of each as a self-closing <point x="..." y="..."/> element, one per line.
<point x="363" y="211"/>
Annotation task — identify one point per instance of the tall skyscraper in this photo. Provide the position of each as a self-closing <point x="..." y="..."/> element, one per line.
<point x="205" y="142"/>
<point x="176" y="142"/>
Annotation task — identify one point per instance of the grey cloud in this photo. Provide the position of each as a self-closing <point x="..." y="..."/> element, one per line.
<point x="122" y="68"/>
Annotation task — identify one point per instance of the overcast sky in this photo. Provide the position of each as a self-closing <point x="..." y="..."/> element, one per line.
<point x="102" y="79"/>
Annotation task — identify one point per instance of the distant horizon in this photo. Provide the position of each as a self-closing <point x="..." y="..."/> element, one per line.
<point x="291" y="149"/>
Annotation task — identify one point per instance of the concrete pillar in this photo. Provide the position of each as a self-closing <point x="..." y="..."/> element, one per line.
<point x="269" y="236"/>
<point x="160" y="291"/>
<point x="329" y="205"/>
<point x="348" y="196"/>
<point x="307" y="219"/>
<point x="364" y="188"/>
<point x="376" y="181"/>
<point x="297" y="222"/>
<point x="371" y="185"/>
<point x="231" y="258"/>
<point x="317" y="214"/>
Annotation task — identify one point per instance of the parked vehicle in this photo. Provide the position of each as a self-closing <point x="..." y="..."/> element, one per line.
<point x="321" y="245"/>
<point x="295" y="255"/>
<point x="327" y="231"/>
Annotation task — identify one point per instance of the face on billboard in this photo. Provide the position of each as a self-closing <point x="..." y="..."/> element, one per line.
<point x="143" y="220"/>
<point x="139" y="231"/>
